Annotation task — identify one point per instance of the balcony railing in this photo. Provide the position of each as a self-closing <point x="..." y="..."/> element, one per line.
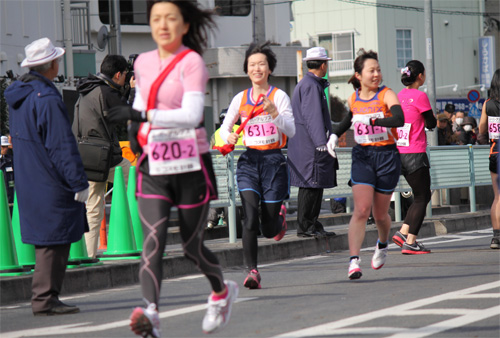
<point x="340" y="68"/>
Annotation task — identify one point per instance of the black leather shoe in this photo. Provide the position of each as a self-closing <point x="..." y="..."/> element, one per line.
<point x="304" y="234"/>
<point x="59" y="309"/>
<point x="308" y="234"/>
<point x="327" y="233"/>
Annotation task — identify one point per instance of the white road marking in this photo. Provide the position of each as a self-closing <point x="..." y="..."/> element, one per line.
<point x="91" y="327"/>
<point x="473" y="315"/>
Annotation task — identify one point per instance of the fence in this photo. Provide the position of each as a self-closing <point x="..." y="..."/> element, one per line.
<point x="451" y="167"/>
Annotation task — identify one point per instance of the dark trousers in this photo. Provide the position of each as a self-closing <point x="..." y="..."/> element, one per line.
<point x="48" y="277"/>
<point x="309" y="205"/>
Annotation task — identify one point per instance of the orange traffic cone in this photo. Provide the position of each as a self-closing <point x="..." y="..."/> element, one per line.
<point x="103" y="234"/>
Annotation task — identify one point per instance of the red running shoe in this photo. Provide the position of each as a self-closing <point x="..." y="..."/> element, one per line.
<point x="284" y="227"/>
<point x="399" y="239"/>
<point x="253" y="280"/>
<point x="145" y="322"/>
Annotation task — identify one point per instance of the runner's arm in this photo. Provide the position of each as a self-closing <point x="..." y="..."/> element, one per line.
<point x="232" y="116"/>
<point x="341" y="127"/>
<point x="188" y="116"/>
<point x="397" y="119"/>
<point x="284" y="121"/>
<point x="430" y="119"/>
<point x="483" y="121"/>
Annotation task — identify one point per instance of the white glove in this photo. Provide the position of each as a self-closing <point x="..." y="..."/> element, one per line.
<point x="359" y="118"/>
<point x="332" y="144"/>
<point x="321" y="148"/>
<point x="82" y="196"/>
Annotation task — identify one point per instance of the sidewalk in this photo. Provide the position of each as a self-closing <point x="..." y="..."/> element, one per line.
<point x="110" y="274"/>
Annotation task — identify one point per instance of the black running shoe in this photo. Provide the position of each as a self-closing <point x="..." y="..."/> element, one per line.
<point x="495" y="243"/>
<point x="414" y="249"/>
<point x="399" y="239"/>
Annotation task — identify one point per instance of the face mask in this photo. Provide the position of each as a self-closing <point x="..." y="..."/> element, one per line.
<point x="468" y="128"/>
<point x="459" y="120"/>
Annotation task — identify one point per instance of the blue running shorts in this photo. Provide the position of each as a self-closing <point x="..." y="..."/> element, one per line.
<point x="265" y="172"/>
<point x="379" y="167"/>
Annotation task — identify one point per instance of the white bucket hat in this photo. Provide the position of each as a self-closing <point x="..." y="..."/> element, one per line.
<point x="41" y="51"/>
<point x="316" y="53"/>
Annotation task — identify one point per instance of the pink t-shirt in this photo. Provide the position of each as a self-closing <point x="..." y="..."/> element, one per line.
<point x="414" y="103"/>
<point x="189" y="75"/>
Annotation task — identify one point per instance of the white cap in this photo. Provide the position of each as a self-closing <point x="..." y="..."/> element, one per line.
<point x="316" y="53"/>
<point x="41" y="51"/>
<point x="5" y="141"/>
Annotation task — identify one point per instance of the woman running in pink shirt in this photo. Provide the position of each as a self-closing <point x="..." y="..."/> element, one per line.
<point x="175" y="168"/>
<point x="412" y="145"/>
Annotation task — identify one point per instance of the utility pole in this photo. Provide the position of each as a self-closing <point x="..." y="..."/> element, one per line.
<point x="259" y="22"/>
<point x="115" y="34"/>
<point x="431" y="88"/>
<point x="68" y="43"/>
<point x="429" y="67"/>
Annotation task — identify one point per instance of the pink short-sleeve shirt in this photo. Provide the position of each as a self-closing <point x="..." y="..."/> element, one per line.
<point x="414" y="103"/>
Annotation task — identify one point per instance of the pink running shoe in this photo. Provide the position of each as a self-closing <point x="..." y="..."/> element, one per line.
<point x="253" y="280"/>
<point x="354" y="269"/>
<point x="284" y="227"/>
<point x="145" y="322"/>
<point x="219" y="311"/>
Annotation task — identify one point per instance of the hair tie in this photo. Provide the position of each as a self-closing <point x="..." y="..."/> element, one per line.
<point x="406" y="71"/>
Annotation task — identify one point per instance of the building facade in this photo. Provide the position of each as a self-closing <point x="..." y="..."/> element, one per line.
<point x="396" y="30"/>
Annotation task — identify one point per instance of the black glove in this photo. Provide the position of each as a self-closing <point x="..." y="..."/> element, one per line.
<point x="119" y="114"/>
<point x="133" y="130"/>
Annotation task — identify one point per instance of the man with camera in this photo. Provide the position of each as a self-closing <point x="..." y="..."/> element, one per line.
<point x="98" y="93"/>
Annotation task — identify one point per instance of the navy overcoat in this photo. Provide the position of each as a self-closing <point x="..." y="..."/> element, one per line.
<point x="49" y="170"/>
<point x="310" y="168"/>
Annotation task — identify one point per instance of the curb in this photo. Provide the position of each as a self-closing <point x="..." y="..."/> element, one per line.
<point x="125" y="272"/>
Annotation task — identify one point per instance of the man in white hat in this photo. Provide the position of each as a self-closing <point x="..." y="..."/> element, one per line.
<point x="51" y="185"/>
<point x="312" y="168"/>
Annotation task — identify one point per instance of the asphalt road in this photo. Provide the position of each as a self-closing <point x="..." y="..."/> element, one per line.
<point x="453" y="292"/>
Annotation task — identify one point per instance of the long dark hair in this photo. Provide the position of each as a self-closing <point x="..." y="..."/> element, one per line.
<point x="410" y="73"/>
<point x="265" y="49"/>
<point x="495" y="86"/>
<point x="359" y="64"/>
<point x="200" y="22"/>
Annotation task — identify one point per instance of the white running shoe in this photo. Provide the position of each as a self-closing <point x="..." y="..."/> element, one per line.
<point x="354" y="269"/>
<point x="219" y="311"/>
<point x="379" y="257"/>
<point x="145" y="322"/>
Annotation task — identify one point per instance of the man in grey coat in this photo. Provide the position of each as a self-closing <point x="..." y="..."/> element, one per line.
<point x="312" y="168"/>
<point x="99" y="93"/>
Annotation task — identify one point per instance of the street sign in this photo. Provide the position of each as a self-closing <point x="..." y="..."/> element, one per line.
<point x="474" y="111"/>
<point x="473" y="96"/>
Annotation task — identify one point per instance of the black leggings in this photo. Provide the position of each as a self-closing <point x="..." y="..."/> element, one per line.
<point x="155" y="214"/>
<point x="420" y="183"/>
<point x="270" y="225"/>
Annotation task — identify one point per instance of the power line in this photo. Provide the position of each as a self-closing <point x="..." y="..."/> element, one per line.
<point x="417" y="9"/>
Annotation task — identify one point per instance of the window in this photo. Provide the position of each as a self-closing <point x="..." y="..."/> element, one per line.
<point x="340" y="47"/>
<point x="233" y="7"/>
<point x="132" y="12"/>
<point x="403" y="47"/>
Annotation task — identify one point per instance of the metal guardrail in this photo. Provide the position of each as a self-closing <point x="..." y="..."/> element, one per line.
<point x="451" y="167"/>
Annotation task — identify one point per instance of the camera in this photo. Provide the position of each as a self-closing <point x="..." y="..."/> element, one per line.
<point x="130" y="73"/>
